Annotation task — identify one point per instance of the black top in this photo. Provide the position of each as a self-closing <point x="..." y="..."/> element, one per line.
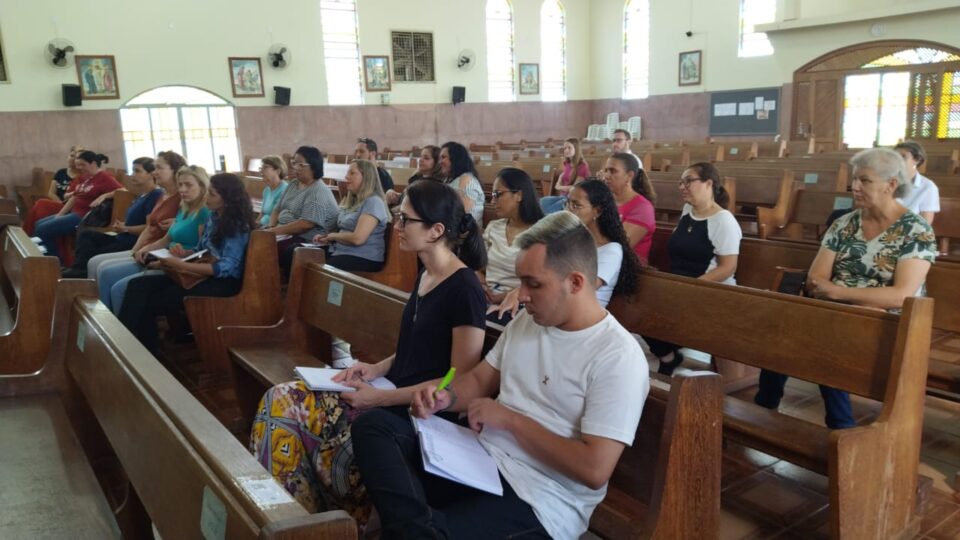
<point x="426" y="330"/>
<point x="62" y="178"/>
<point x="386" y="181"/>
<point x="690" y="248"/>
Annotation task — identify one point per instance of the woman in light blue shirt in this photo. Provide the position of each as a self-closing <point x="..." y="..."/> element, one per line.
<point x="273" y="170"/>
<point x="358" y="245"/>
<point x="225" y="238"/>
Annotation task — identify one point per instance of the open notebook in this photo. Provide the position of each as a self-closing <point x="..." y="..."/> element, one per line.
<point x="319" y="380"/>
<point x="453" y="452"/>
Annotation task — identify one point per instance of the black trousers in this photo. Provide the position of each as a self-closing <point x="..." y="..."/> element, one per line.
<point x="148" y="297"/>
<point x="91" y="243"/>
<point x="415" y="504"/>
<point x="354" y="264"/>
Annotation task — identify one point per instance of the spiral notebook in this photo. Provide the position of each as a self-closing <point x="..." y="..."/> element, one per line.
<point x="454" y="452"/>
<point x="319" y="380"/>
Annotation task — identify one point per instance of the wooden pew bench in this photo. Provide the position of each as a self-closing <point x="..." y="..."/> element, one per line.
<point x="872" y="468"/>
<point x="28" y="280"/>
<point x="400" y="267"/>
<point x="102" y="399"/>
<point x="808" y="213"/>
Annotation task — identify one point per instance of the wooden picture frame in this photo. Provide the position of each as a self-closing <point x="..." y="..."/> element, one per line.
<point x="376" y="74"/>
<point x="97" y="75"/>
<point x="4" y="67"/>
<point x="246" y="77"/>
<point x="529" y="79"/>
<point x="690" y="68"/>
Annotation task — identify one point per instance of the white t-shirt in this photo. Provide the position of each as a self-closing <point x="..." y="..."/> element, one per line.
<point x="609" y="260"/>
<point x="501" y="256"/>
<point x="923" y="197"/>
<point x="724" y="233"/>
<point x="592" y="381"/>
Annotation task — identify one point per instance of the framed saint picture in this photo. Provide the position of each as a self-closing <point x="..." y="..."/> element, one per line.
<point x="529" y="79"/>
<point x="4" y="73"/>
<point x="376" y="73"/>
<point x="691" y="67"/>
<point x="98" y="77"/>
<point x="246" y="77"/>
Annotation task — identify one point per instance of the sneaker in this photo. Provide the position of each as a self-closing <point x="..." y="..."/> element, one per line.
<point x="666" y="368"/>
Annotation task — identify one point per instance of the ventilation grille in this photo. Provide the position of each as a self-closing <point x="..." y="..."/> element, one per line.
<point x="412" y="56"/>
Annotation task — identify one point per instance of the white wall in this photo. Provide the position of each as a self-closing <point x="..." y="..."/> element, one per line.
<point x="188" y="42"/>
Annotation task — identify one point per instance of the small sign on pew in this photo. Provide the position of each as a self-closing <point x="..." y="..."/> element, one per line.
<point x="811" y="178"/>
<point x="842" y="203"/>
<point x="266" y="492"/>
<point x="213" y="516"/>
<point x="546" y="168"/>
<point x="335" y="293"/>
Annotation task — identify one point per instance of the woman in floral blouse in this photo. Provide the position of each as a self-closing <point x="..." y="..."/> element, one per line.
<point x="875" y="256"/>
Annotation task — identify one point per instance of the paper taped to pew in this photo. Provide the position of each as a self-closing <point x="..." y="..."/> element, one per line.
<point x="454" y="452"/>
<point x="319" y="380"/>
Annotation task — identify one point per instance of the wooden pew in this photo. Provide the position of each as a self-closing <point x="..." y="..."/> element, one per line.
<point x="257" y="303"/>
<point x="28" y="280"/>
<point x="38" y="189"/>
<point x="400" y="267"/>
<point x="667" y="485"/>
<point x="9" y="213"/>
<point x="947" y="223"/>
<point x="865" y="352"/>
<point x="808" y="214"/>
<point x="102" y="399"/>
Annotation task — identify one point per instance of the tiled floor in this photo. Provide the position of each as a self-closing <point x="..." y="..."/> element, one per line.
<point x="762" y="496"/>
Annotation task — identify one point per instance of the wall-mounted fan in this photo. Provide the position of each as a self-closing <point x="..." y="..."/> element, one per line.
<point x="59" y="53"/>
<point x="466" y="59"/>
<point x="279" y="55"/>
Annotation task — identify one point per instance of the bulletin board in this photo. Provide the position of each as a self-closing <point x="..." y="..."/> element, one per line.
<point x="745" y="112"/>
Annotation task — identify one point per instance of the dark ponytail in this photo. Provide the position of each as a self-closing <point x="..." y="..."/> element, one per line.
<point x="708" y="171"/>
<point x="93" y="157"/>
<point x="439" y="203"/>
<point x="640" y="183"/>
<point x="611" y="228"/>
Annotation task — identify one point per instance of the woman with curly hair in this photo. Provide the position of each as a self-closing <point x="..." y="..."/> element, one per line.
<point x="225" y="237"/>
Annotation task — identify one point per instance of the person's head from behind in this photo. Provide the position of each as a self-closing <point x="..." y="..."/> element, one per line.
<point x="572" y="152"/>
<point x="192" y="183"/>
<point x="515" y="196"/>
<point x="700" y="184"/>
<point x="228" y="198"/>
<point x="142" y="180"/>
<point x="455" y="160"/>
<point x="879" y="176"/>
<point x="621" y="141"/>
<point x="361" y="182"/>
<point x="913" y="156"/>
<point x="429" y="164"/>
<point x="89" y="163"/>
<point x="432" y="217"/>
<point x="166" y="166"/>
<point x="557" y="267"/>
<point x="273" y="169"/>
<point x="307" y="164"/>
<point x="366" y="149"/>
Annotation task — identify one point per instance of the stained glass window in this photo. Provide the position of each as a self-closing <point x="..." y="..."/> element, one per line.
<point x="553" y="51"/>
<point x="910" y="57"/>
<point x="949" y="124"/>
<point x="752" y="13"/>
<point x="341" y="51"/>
<point x="636" y="49"/>
<point x="500" y="72"/>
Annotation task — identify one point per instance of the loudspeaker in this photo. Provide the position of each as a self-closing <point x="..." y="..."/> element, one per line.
<point x="459" y="94"/>
<point x="71" y="95"/>
<point x="282" y="96"/>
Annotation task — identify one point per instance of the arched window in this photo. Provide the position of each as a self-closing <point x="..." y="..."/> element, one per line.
<point x="500" y="73"/>
<point x="341" y="51"/>
<point x="553" y="51"/>
<point x="193" y="122"/>
<point x="636" y="49"/>
<point x="752" y="13"/>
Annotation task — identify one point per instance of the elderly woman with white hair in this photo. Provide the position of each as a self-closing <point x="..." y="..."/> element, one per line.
<point x="874" y="256"/>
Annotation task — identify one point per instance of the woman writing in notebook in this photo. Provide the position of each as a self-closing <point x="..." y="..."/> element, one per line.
<point x="303" y="437"/>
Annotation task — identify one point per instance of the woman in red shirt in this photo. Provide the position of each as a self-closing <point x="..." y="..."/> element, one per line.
<point x="96" y="182"/>
<point x="635" y="197"/>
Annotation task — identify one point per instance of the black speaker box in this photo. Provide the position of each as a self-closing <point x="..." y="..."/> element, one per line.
<point x="282" y="95"/>
<point x="71" y="95"/>
<point x="459" y="94"/>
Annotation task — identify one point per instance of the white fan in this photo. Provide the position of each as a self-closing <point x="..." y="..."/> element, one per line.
<point x="59" y="53"/>
<point x="466" y="59"/>
<point x="279" y="56"/>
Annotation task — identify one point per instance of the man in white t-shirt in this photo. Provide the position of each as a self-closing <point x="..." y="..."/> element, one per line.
<point x="621" y="144"/>
<point x="571" y="383"/>
<point x="923" y="197"/>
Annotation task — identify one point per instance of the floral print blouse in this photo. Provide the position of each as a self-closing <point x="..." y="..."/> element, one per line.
<point x="863" y="263"/>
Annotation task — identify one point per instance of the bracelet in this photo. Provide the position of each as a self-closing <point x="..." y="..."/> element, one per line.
<point x="453" y="398"/>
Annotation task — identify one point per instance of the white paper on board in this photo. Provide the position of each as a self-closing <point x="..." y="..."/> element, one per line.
<point x="725" y="109"/>
<point x="746" y="109"/>
<point x="770" y="105"/>
<point x="758" y="102"/>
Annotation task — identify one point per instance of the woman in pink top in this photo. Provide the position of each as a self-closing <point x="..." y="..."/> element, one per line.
<point x="575" y="170"/>
<point x="635" y="197"/>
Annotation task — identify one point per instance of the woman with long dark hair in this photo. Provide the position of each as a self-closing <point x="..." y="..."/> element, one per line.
<point x="428" y="168"/>
<point x="225" y="237"/>
<point x="459" y="172"/>
<point x="442" y="326"/>
<point x="635" y="198"/>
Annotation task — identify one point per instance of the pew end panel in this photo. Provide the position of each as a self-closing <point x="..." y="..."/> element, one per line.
<point x="399" y="268"/>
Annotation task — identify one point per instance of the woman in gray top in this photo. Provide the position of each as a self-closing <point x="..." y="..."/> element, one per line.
<point x="358" y="245"/>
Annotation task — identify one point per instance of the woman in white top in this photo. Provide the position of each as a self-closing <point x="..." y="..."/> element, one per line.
<point x="923" y="197"/>
<point x="458" y="169"/>
<point x="518" y="208"/>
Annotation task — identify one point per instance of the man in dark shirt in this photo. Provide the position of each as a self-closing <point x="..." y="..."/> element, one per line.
<point x="367" y="149"/>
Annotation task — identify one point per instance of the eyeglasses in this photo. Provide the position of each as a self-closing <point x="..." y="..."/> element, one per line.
<point x="295" y="164"/>
<point x="574" y="206"/>
<point x="621" y="139"/>
<point x="404" y="219"/>
<point x="685" y="182"/>
<point x="497" y="194"/>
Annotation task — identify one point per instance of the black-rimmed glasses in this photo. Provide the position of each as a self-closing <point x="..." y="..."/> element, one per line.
<point x="404" y="219"/>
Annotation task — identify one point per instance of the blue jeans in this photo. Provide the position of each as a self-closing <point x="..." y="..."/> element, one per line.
<point x="553" y="203"/>
<point x="415" y="504"/>
<point x="837" y="402"/>
<point x="51" y="228"/>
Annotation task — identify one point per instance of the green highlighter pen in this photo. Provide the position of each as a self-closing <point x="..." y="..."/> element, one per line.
<point x="447" y="379"/>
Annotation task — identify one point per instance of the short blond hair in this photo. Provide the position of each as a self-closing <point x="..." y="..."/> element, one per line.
<point x="277" y="163"/>
<point x="199" y="174"/>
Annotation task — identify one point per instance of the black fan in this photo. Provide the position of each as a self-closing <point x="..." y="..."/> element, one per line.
<point x="278" y="55"/>
<point x="59" y="53"/>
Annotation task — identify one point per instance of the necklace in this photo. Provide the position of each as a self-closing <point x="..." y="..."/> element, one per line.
<point x="416" y="306"/>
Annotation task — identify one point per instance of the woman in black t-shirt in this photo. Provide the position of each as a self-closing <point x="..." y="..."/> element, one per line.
<point x="303" y="437"/>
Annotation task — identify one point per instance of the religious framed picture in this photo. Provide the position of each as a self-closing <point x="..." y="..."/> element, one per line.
<point x="529" y="79"/>
<point x="4" y="73"/>
<point x="376" y="73"/>
<point x="246" y="77"/>
<point x="691" y="67"/>
<point x="98" y="77"/>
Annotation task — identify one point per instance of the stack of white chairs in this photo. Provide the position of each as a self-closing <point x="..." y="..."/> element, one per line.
<point x="633" y="126"/>
<point x="613" y="121"/>
<point x="593" y="132"/>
